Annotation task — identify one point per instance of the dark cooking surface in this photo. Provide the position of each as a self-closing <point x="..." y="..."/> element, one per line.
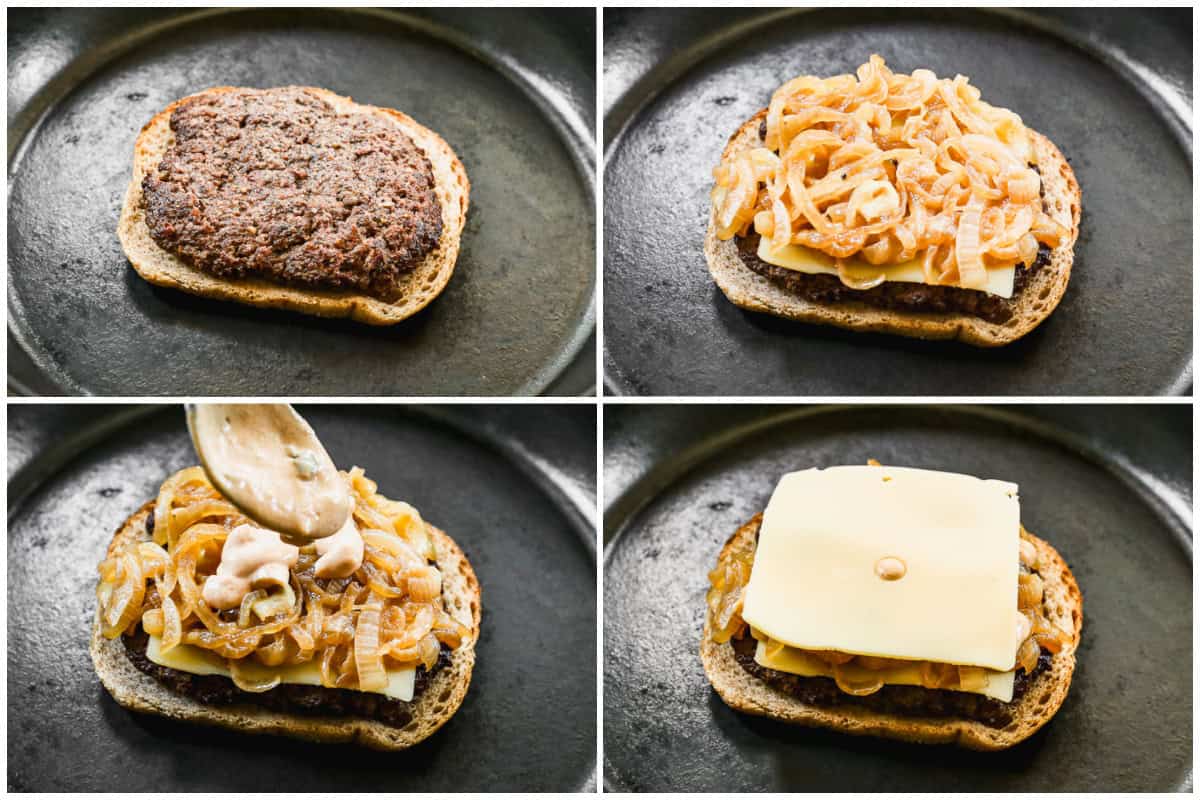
<point x="1097" y="482"/>
<point x="679" y="82"/>
<point x="528" y="721"/>
<point x="511" y="91"/>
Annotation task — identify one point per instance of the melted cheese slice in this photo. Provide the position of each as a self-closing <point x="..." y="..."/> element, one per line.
<point x="787" y="659"/>
<point x="814" y="262"/>
<point x="198" y="661"/>
<point x="813" y="584"/>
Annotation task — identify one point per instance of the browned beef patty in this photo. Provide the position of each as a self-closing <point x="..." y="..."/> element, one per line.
<point x="217" y="690"/>
<point x="892" y="294"/>
<point x="906" y="701"/>
<point x="275" y="184"/>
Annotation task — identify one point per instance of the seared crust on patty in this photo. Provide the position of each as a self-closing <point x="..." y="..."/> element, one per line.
<point x="1040" y="296"/>
<point x="430" y="710"/>
<point x="1063" y="604"/>
<point x="275" y="183"/>
<point x="415" y="289"/>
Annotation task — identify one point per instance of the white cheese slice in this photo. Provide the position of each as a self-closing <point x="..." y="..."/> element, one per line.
<point x="198" y="661"/>
<point x="814" y="585"/>
<point x="814" y="262"/>
<point x="787" y="659"/>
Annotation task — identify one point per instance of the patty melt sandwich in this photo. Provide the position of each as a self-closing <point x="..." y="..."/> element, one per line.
<point x="295" y="198"/>
<point x="894" y="203"/>
<point x="333" y="614"/>
<point x="893" y="602"/>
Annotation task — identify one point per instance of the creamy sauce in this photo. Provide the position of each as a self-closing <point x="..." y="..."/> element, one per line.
<point x="252" y="558"/>
<point x="268" y="462"/>
<point x="341" y="554"/>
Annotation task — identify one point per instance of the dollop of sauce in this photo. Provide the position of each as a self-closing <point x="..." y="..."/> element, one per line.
<point x="890" y="568"/>
<point x="252" y="558"/>
<point x="341" y="554"/>
<point x="268" y="462"/>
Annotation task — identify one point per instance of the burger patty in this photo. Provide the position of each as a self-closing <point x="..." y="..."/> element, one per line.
<point x="892" y="294"/>
<point x="907" y="701"/>
<point x="218" y="690"/>
<point x="276" y="184"/>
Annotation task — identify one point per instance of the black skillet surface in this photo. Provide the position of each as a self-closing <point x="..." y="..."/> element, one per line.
<point x="529" y="720"/>
<point x="680" y="82"/>
<point x="512" y="91"/>
<point x="680" y="480"/>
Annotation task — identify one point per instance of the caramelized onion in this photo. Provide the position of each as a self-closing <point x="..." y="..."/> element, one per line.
<point x="153" y="558"/>
<point x="938" y="676"/>
<point x="371" y="675"/>
<point x="247" y="603"/>
<point x="861" y="284"/>
<point x="423" y="583"/>
<point x="246" y="679"/>
<point x="1029" y="554"/>
<point x="889" y="167"/>
<point x="394" y="545"/>
<point x="273" y="654"/>
<point x="377" y="581"/>
<point x="1027" y="656"/>
<point x="328" y="674"/>
<point x="1048" y="635"/>
<point x="858" y="682"/>
<point x="121" y="604"/>
<point x="152" y="621"/>
<point x="393" y="606"/>
<point x="1029" y="590"/>
<point x="831" y="656"/>
<point x="172" y="626"/>
<point x="303" y="638"/>
<point x="429" y="649"/>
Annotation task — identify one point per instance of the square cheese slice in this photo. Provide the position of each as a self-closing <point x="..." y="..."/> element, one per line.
<point x="814" y="584"/>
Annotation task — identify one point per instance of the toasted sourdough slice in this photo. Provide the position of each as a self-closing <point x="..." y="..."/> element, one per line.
<point x="1064" y="606"/>
<point x="1041" y="295"/>
<point x="425" y="282"/>
<point x="431" y="709"/>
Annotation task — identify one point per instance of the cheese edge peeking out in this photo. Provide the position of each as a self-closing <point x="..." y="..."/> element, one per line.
<point x="823" y="532"/>
<point x="813" y="262"/>
<point x="198" y="661"/>
<point x="790" y="660"/>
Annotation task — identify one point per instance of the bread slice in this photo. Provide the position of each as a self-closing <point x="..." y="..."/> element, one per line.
<point x="1041" y="295"/>
<point x="1064" y="606"/>
<point x="431" y="709"/>
<point x="421" y="285"/>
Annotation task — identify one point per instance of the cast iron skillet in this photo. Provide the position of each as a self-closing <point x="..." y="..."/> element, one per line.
<point x="512" y="91"/>
<point x="1111" y="88"/>
<point x="529" y="720"/>
<point x="1110" y="496"/>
